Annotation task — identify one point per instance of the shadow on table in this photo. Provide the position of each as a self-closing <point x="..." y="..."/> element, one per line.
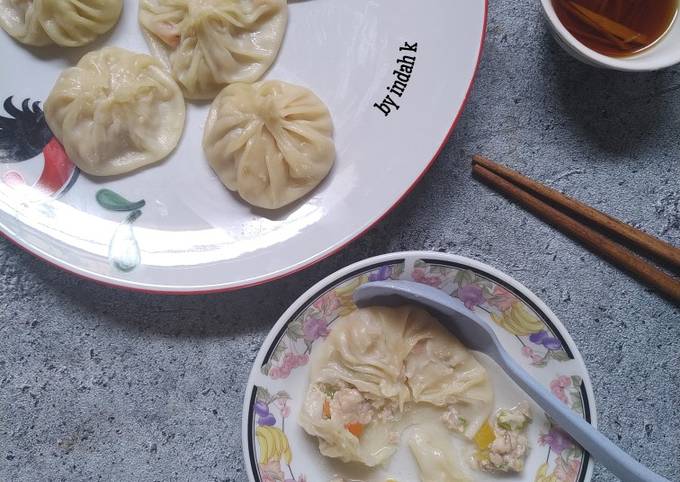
<point x="251" y="310"/>
<point x="618" y="111"/>
<point x="256" y="309"/>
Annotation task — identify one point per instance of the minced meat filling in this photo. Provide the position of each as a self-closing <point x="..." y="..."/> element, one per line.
<point x="508" y="450"/>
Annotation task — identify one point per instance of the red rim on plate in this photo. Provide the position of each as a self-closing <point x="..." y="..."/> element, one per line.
<point x="295" y="269"/>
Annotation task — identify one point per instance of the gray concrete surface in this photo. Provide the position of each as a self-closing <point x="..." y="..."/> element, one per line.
<point x="101" y="384"/>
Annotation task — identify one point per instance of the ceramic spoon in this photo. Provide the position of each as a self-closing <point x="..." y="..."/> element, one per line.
<point x="478" y="335"/>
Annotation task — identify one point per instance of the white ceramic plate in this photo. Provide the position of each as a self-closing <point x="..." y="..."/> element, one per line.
<point x="530" y="332"/>
<point x="195" y="236"/>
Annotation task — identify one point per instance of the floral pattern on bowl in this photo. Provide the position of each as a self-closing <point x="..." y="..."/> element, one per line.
<point x="540" y="342"/>
<point x="565" y="458"/>
<point x="275" y="452"/>
<point x="275" y="455"/>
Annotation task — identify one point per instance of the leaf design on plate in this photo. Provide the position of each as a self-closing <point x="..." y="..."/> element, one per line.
<point x="115" y="202"/>
<point x="279" y="351"/>
<point x="283" y="395"/>
<point x="262" y="394"/>
<point x="559" y="355"/>
<point x="397" y="271"/>
<point x="295" y="330"/>
<point x="133" y="216"/>
<point x="124" y="250"/>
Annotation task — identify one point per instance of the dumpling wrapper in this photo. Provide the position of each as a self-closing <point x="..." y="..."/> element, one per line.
<point x="208" y="44"/>
<point x="270" y="141"/>
<point x="69" y="23"/>
<point x="116" y="111"/>
<point x="437" y="459"/>
<point x="396" y="357"/>
<point x="442" y="372"/>
<point x="367" y="349"/>
<point x="371" y="449"/>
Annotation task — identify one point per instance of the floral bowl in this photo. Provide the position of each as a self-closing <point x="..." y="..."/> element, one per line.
<point x="276" y="449"/>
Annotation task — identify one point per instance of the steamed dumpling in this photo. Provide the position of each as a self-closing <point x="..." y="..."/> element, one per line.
<point x="377" y="365"/>
<point x="116" y="111"/>
<point x="69" y="23"/>
<point x="208" y="44"/>
<point x="270" y="141"/>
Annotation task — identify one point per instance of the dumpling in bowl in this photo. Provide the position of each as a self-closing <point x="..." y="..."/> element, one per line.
<point x="208" y="44"/>
<point x="379" y="364"/>
<point x="116" y="111"/>
<point x="432" y="450"/>
<point x="69" y="23"/>
<point x="270" y="141"/>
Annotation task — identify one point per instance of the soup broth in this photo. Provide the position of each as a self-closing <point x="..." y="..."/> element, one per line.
<point x="617" y="28"/>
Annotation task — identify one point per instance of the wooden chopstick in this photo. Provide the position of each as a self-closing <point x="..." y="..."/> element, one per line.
<point x="665" y="253"/>
<point x="597" y="242"/>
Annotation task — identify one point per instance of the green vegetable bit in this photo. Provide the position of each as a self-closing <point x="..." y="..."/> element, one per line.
<point x="508" y="420"/>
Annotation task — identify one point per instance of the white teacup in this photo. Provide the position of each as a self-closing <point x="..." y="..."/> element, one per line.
<point x="664" y="53"/>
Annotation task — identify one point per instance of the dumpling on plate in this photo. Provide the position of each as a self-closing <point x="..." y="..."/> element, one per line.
<point x="271" y="141"/>
<point x="69" y="23"/>
<point x="379" y="365"/>
<point x="208" y="44"/>
<point x="116" y="111"/>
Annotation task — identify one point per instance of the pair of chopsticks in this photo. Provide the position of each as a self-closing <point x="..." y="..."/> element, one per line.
<point x="601" y="233"/>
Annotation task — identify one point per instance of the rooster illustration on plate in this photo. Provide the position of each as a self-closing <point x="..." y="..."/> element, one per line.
<point x="30" y="155"/>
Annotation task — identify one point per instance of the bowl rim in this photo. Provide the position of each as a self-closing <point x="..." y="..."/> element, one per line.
<point x="404" y="256"/>
<point x="629" y="64"/>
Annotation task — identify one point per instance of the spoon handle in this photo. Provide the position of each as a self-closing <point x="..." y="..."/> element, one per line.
<point x="600" y="447"/>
